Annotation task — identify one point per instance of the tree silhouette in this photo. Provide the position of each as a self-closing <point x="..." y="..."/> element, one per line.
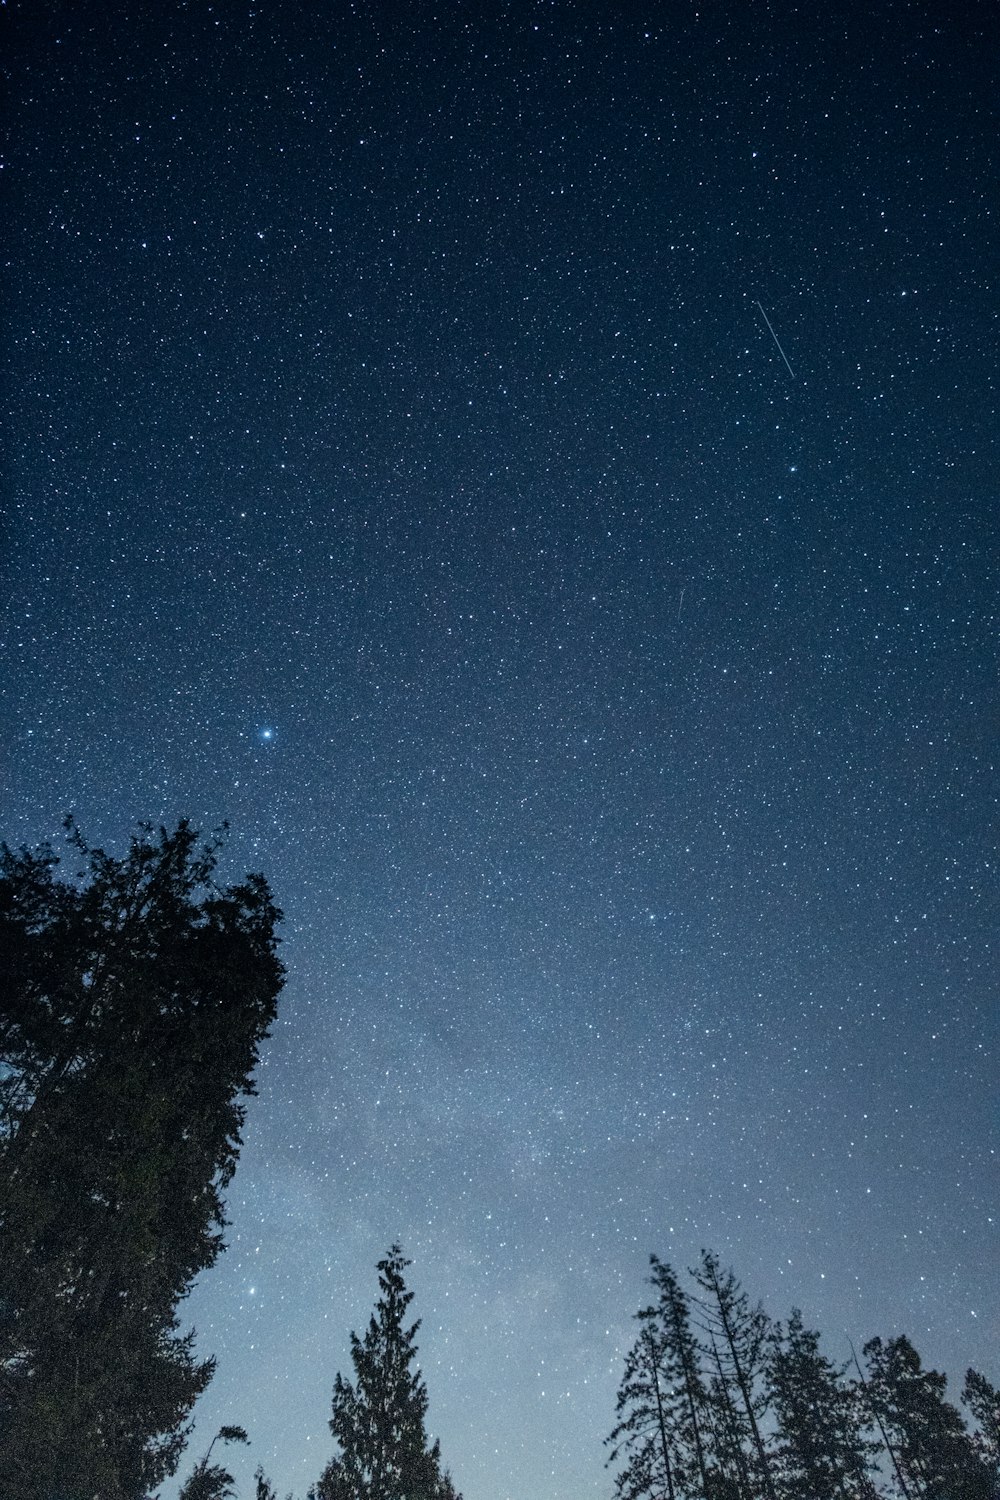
<point x="208" y="1481"/>
<point x="661" y="1405"/>
<point x="736" y="1341"/>
<point x="132" y="1007"/>
<point x="743" y="1409"/>
<point x="379" y="1420"/>
<point x="935" y="1457"/>
<point x="820" y="1449"/>
<point x="983" y="1400"/>
<point x="646" y="1432"/>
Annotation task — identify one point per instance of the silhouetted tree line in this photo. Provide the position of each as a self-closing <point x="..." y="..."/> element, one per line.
<point x="134" y="997"/>
<point x="718" y="1402"/>
<point x="378" y="1420"/>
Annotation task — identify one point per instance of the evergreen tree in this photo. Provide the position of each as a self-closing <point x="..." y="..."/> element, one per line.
<point x="730" y="1471"/>
<point x="132" y="1006"/>
<point x="675" y="1317"/>
<point x="737" y="1335"/>
<point x="983" y="1400"/>
<point x="379" y="1420"/>
<point x="662" y="1405"/>
<point x="934" y="1455"/>
<point x="820" y="1448"/>
<point x="208" y="1481"/>
<point x="646" y="1433"/>
<point x="263" y="1488"/>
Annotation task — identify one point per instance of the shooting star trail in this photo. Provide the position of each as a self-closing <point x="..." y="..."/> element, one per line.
<point x="781" y="351"/>
<point x="680" y="606"/>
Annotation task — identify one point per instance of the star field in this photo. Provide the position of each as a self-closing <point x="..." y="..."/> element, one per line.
<point x="401" y="468"/>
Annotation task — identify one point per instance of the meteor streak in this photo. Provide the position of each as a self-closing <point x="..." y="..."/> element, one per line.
<point x="781" y="351"/>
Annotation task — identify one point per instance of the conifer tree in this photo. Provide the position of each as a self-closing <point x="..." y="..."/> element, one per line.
<point x="132" y="1007"/>
<point x="263" y="1488"/>
<point x="935" y="1456"/>
<point x="731" y="1477"/>
<point x="983" y="1400"/>
<point x="646" y="1433"/>
<point x="737" y="1335"/>
<point x="675" y="1316"/>
<point x="820" y="1448"/>
<point x="209" y="1481"/>
<point x="379" y="1419"/>
<point x="661" y="1432"/>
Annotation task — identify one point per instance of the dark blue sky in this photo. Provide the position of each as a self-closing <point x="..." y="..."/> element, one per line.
<point x="391" y="379"/>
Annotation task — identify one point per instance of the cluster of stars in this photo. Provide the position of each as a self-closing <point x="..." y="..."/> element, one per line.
<point x="420" y="502"/>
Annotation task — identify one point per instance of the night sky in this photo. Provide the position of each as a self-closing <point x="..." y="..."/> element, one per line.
<point x="401" y="467"/>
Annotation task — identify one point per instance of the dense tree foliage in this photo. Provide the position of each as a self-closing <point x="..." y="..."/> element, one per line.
<point x="933" y="1454"/>
<point x="717" y="1402"/>
<point x="379" y="1419"/>
<point x="213" y="1481"/>
<point x="819" y="1447"/>
<point x="134" y="998"/>
<point x="133" y="1001"/>
<point x="983" y="1400"/>
<point x="661" y="1405"/>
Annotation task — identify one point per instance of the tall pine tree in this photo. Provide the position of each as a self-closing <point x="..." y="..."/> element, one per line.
<point x="934" y="1456"/>
<point x="661" y="1434"/>
<point x="379" y="1419"/>
<point x="737" y="1336"/>
<point x="675" y="1315"/>
<point x="983" y="1400"/>
<point x="646" y="1435"/>
<point x="132" y="1006"/>
<point x="820" y="1449"/>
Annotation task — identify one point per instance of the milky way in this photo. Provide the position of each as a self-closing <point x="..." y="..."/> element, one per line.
<point x="401" y="470"/>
